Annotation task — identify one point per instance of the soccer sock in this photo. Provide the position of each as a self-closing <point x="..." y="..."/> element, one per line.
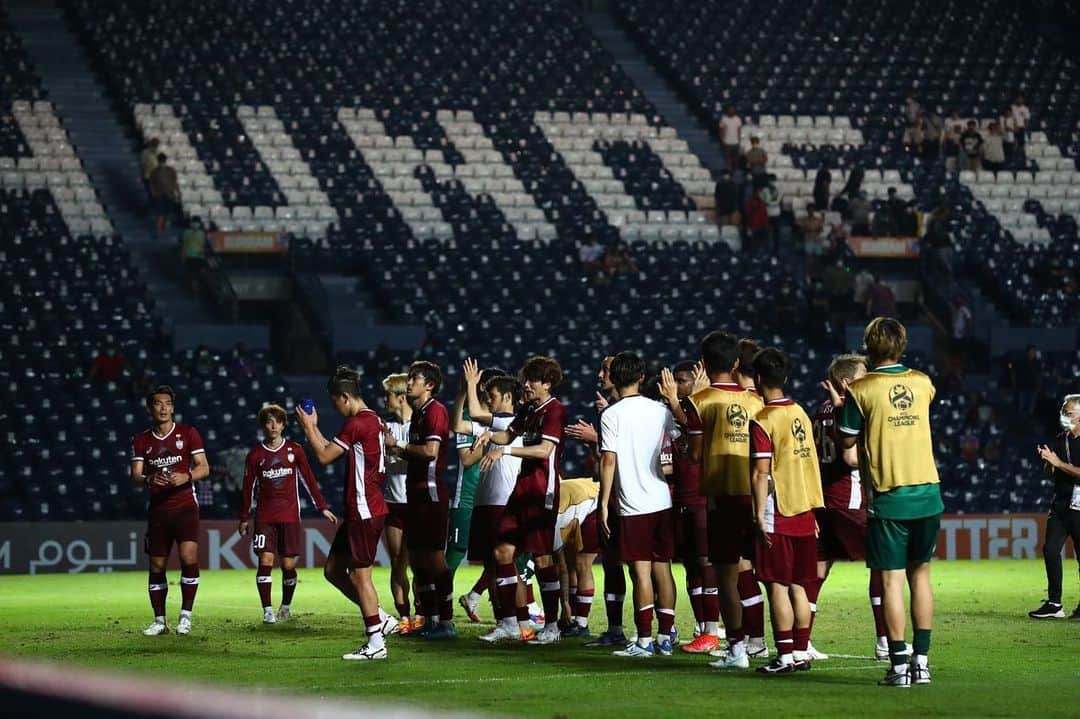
<point x="481" y="584"/>
<point x="785" y="644"/>
<point x="454" y="556"/>
<point x="288" y="586"/>
<point x="583" y="600"/>
<point x="613" y="605"/>
<point x="159" y="588"/>
<point x="710" y="600"/>
<point x="753" y="604"/>
<point x="189" y="585"/>
<point x="665" y="620"/>
<point x="802" y="638"/>
<point x="373" y="627"/>
<point x="506" y="581"/>
<point x="877" y="591"/>
<point x="402" y="609"/>
<point x="898" y="655"/>
<point x="444" y="589"/>
<point x="643" y="621"/>
<point x="697" y="599"/>
<point x="813" y="590"/>
<point x="920" y="643"/>
<point x="736" y="645"/>
<point x="550" y="591"/>
<point x="263" y="582"/>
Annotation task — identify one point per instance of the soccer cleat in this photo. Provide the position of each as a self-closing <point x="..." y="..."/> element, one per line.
<point x="536" y="616"/>
<point x="664" y="645"/>
<point x="756" y="648"/>
<point x="881" y="649"/>
<point x="501" y="633"/>
<point x="365" y="654"/>
<point x="894" y="678"/>
<point x="547" y="635"/>
<point x="390" y="626"/>
<point x="919" y="674"/>
<point x="1048" y="610"/>
<point x="699" y="629"/>
<point x="184" y="625"/>
<point x="635" y="650"/>
<point x="284" y="614"/>
<point x="470" y="607"/>
<point x="417" y="624"/>
<point x="608" y="639"/>
<point x="778" y="667"/>
<point x="732" y="662"/>
<point x="575" y="630"/>
<point x="442" y="631"/>
<point x="269" y="617"/>
<point x="156" y="629"/>
<point x="673" y="635"/>
<point x="814" y="654"/>
<point x="525" y="634"/>
<point x="702" y="645"/>
<point x="404" y="626"/>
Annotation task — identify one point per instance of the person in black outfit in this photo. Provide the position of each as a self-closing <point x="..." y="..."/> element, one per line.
<point x="1062" y="459"/>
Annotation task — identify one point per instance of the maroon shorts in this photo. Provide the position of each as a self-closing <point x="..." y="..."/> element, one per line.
<point x="528" y="525"/>
<point x="484" y="532"/>
<point x="426" y="526"/>
<point x="284" y="539"/>
<point x="165" y="526"/>
<point x="647" y="537"/>
<point x="691" y="533"/>
<point x="842" y="534"/>
<point x="396" y="517"/>
<point x="358" y="541"/>
<point x="590" y="533"/>
<point x="790" y="560"/>
<point x="731" y="529"/>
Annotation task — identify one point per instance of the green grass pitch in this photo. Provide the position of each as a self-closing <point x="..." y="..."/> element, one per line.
<point x="988" y="658"/>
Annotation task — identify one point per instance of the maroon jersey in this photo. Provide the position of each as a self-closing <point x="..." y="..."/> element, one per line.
<point x="173" y="451"/>
<point x="362" y="440"/>
<point x="535" y="423"/>
<point x="687" y="488"/>
<point x="273" y="477"/>
<point x="423" y="477"/>
<point x="839" y="482"/>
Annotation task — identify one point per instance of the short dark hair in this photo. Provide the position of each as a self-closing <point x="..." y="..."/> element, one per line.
<point x="771" y="367"/>
<point x="272" y="410"/>
<point x="748" y="349"/>
<point x="429" y="371"/>
<point x="504" y="384"/>
<point x="626" y="369"/>
<point x="542" y="369"/>
<point x="161" y="158"/>
<point x="651" y="388"/>
<point x="490" y="373"/>
<point x="160" y="389"/>
<point x="684" y="366"/>
<point x="345" y="381"/>
<point x="719" y="351"/>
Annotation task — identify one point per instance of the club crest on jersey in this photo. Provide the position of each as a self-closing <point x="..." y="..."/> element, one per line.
<point x="798" y="431"/>
<point x="901" y="397"/>
<point x="179" y="442"/>
<point x="736" y="416"/>
<point x="291" y="456"/>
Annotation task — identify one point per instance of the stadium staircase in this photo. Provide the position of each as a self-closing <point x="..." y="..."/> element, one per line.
<point x="106" y="151"/>
<point x="655" y="88"/>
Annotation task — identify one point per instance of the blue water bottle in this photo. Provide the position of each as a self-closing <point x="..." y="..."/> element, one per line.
<point x="308" y="405"/>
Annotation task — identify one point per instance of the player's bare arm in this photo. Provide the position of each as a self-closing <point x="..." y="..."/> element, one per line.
<point x="325" y="451"/>
<point x="537" y="451"/>
<point x="582" y="431"/>
<point x="607" y="481"/>
<point x="477" y="411"/>
<point x="669" y="390"/>
<point x="471" y="455"/>
<point x="759" y="489"/>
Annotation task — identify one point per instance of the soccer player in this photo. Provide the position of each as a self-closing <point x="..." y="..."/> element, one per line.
<point x="428" y="500"/>
<point x="528" y="521"/>
<point x="887" y="415"/>
<point x="842" y="522"/>
<point x="718" y="422"/>
<point x="786" y="487"/>
<point x="578" y="536"/>
<point x="352" y="554"/>
<point x="394" y="494"/>
<point x="273" y="472"/>
<point x="633" y="431"/>
<point x="167" y="460"/>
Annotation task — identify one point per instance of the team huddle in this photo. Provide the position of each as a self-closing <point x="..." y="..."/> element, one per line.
<point x="709" y="463"/>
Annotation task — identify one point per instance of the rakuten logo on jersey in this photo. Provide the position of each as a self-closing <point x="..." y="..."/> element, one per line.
<point x="276" y="472"/>
<point x="165" y="462"/>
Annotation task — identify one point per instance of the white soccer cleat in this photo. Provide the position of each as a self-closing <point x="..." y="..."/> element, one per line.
<point x="156" y="629"/>
<point x="365" y="654"/>
<point x="269" y="617"/>
<point x="814" y="655"/>
<point x="636" y="651"/>
<point x="501" y="633"/>
<point x="881" y="649"/>
<point x="757" y="648"/>
<point x="284" y="614"/>
<point x="550" y="634"/>
<point x="731" y="662"/>
<point x="390" y="626"/>
<point x="920" y="673"/>
<point x="184" y="625"/>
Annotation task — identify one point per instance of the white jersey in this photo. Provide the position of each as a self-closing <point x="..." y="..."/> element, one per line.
<point x="636" y="428"/>
<point x="497" y="484"/>
<point x="394" y="486"/>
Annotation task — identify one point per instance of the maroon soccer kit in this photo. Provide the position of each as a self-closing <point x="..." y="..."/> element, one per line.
<point x="428" y="512"/>
<point x="272" y="481"/>
<point x="529" y="520"/>
<point x="173" y="514"/>
<point x="365" y="509"/>
<point x="842" y="521"/>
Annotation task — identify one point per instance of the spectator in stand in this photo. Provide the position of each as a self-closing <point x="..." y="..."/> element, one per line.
<point x="963" y="326"/>
<point x="148" y="162"/>
<point x="756" y="158"/>
<point x="839" y="287"/>
<point x="1026" y="376"/>
<point x="859" y="214"/>
<point x="730" y="136"/>
<point x="203" y="364"/>
<point x="971" y="144"/>
<point x="853" y="186"/>
<point x="914" y="134"/>
<point x="590" y="254"/>
<point x="813" y="230"/>
<point x="994" y="148"/>
<point x="108" y="365"/>
<point x="193" y="254"/>
<point x="773" y="208"/>
<point x="938" y="242"/>
<point x="822" y="182"/>
<point x="880" y="300"/>
<point x="757" y="223"/>
<point x="1008" y="134"/>
<point x="1021" y="119"/>
<point x="727" y="200"/>
<point x="935" y="127"/>
<point x="164" y="194"/>
<point x="912" y="109"/>
<point x="950" y="142"/>
<point x="618" y="260"/>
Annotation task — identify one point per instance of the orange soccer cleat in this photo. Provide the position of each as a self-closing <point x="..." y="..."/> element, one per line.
<point x="405" y="626"/>
<point x="417" y="624"/>
<point x="702" y="644"/>
<point x="527" y="635"/>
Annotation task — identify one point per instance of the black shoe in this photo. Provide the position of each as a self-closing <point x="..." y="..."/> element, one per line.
<point x="777" y="667"/>
<point x="803" y="666"/>
<point x="1048" y="610"/>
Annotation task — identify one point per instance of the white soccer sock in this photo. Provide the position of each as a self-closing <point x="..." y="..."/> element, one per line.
<point x="472" y="596"/>
<point x="787" y="659"/>
<point x="581" y="621"/>
<point x="375" y="639"/>
<point x="736" y="649"/>
<point x="712" y="628"/>
<point x="921" y="661"/>
<point x="799" y="656"/>
<point x="159" y="620"/>
<point x="285" y="606"/>
<point x="185" y="613"/>
<point x="644" y="642"/>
